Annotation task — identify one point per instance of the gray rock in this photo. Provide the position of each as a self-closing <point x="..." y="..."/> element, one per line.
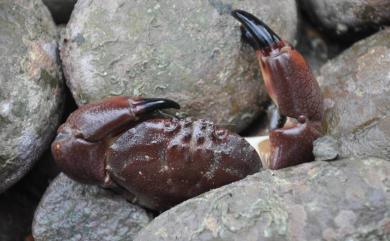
<point x="326" y="148"/>
<point x="16" y="211"/>
<point x="189" y="51"/>
<point x="342" y="200"/>
<point x="31" y="92"/>
<point x="60" y="9"/>
<point x="18" y="203"/>
<point x="72" y="211"/>
<point x="356" y="87"/>
<point x="348" y="16"/>
<point x="316" y="47"/>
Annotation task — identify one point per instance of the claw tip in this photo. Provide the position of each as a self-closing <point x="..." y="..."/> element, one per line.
<point x="257" y="32"/>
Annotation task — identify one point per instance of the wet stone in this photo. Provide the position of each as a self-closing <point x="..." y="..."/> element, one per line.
<point x="17" y="204"/>
<point x="342" y="200"/>
<point x="31" y="93"/>
<point x="189" y="51"/>
<point x="356" y="88"/>
<point x="343" y="17"/>
<point x="73" y="211"/>
<point x="326" y="148"/>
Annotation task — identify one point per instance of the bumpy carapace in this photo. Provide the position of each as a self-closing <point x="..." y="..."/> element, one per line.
<point x="157" y="162"/>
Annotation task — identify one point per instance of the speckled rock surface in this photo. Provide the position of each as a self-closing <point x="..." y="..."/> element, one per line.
<point x="60" y="9"/>
<point x="31" y="92"/>
<point x="348" y="16"/>
<point x="72" y="211"/>
<point x="342" y="200"/>
<point x="356" y="87"/>
<point x="189" y="51"/>
<point x="326" y="148"/>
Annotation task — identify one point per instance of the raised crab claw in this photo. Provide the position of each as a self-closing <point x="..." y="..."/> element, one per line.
<point x="293" y="88"/>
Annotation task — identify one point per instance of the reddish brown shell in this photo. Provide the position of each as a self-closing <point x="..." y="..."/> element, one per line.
<point x="165" y="161"/>
<point x="160" y="162"/>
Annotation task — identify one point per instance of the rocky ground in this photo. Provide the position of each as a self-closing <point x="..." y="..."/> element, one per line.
<point x="192" y="52"/>
<point x="342" y="200"/>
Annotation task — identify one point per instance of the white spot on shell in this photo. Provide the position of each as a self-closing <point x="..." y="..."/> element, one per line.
<point x="164" y="168"/>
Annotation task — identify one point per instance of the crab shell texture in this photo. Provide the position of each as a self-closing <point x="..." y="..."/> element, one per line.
<point x="157" y="162"/>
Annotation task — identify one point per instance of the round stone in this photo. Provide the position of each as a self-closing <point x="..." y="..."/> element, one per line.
<point x="356" y="88"/>
<point x="342" y="200"/>
<point x="73" y="211"/>
<point x="31" y="93"/>
<point x="189" y="51"/>
<point x="348" y="16"/>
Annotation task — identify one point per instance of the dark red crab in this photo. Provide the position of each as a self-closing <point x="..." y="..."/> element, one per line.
<point x="158" y="162"/>
<point x="293" y="88"/>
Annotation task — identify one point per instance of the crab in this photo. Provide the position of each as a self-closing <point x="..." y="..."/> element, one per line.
<point x="157" y="162"/>
<point x="122" y="143"/>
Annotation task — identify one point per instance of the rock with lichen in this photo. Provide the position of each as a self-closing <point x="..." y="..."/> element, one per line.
<point x="73" y="211"/>
<point x="356" y="88"/>
<point x="189" y="51"/>
<point x="343" y="17"/>
<point x="342" y="200"/>
<point x="31" y="92"/>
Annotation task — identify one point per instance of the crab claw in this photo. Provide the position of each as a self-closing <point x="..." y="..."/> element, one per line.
<point x="147" y="105"/>
<point x="294" y="90"/>
<point x="79" y="146"/>
<point x="254" y="31"/>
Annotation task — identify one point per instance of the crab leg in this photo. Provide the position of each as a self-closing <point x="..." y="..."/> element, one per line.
<point x="294" y="90"/>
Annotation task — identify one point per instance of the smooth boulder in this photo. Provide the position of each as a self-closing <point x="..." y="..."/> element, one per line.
<point x="31" y="93"/>
<point x="343" y="200"/>
<point x="189" y="51"/>
<point x="73" y="211"/>
<point x="342" y="17"/>
<point x="356" y="89"/>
